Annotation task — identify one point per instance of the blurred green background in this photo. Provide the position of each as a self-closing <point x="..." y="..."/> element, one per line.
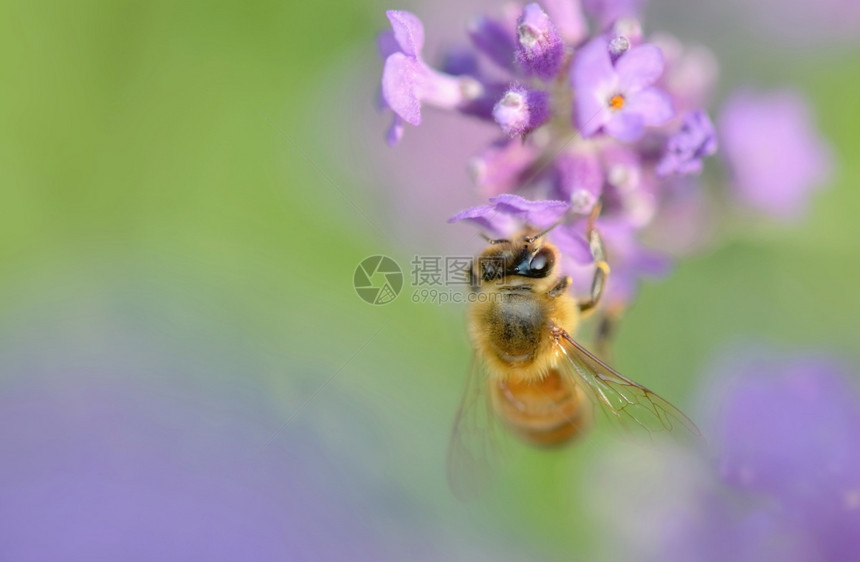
<point x="169" y="164"/>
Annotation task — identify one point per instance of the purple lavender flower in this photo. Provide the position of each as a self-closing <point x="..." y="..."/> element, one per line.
<point x="620" y="97"/>
<point x="539" y="49"/>
<point x="407" y="81"/>
<point x="507" y="212"/>
<point x="521" y="110"/>
<point x="776" y="156"/>
<point x="688" y="147"/>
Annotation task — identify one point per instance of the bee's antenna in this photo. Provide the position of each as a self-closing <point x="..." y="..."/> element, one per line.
<point x="546" y="231"/>
<point x="492" y="241"/>
<point x="592" y="217"/>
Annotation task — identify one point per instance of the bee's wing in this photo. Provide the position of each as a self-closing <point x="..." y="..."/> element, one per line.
<point x="628" y="404"/>
<point x="473" y="452"/>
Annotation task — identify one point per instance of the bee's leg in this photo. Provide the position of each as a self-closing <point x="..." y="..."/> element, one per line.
<point x="601" y="269"/>
<point x="560" y="288"/>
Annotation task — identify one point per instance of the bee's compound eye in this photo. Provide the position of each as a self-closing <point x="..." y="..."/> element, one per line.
<point x="541" y="262"/>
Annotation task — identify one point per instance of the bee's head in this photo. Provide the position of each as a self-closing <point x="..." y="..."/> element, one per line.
<point x="525" y="256"/>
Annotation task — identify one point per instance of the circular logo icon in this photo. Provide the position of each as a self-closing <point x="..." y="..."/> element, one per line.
<point x="378" y="280"/>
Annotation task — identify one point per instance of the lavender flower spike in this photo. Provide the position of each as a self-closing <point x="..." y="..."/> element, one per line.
<point x="620" y="98"/>
<point x="539" y="47"/>
<point x="695" y="140"/>
<point x="521" y="110"/>
<point x="407" y="81"/>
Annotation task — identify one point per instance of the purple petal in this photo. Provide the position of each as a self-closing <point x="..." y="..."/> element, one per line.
<point x="386" y="44"/>
<point x="488" y="218"/>
<point x="536" y="213"/>
<point x="579" y="179"/>
<point x="539" y="49"/>
<point x="639" y="68"/>
<point x="506" y="211"/>
<point x="653" y="105"/>
<point x="449" y="92"/>
<point x="626" y="125"/>
<point x="570" y="241"/>
<point x="395" y="131"/>
<point x="594" y="80"/>
<point x="500" y="168"/>
<point x="399" y="79"/>
<point x="494" y="40"/>
<point x="521" y="110"/>
<point x="685" y="150"/>
<point x="408" y="31"/>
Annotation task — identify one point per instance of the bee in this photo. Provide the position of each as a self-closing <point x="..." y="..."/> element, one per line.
<point x="528" y="371"/>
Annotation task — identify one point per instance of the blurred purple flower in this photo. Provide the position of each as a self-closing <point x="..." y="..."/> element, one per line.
<point x="790" y="429"/>
<point x="786" y="485"/>
<point x="688" y="147"/>
<point x="619" y="97"/>
<point x="108" y="467"/>
<point x="776" y="155"/>
<point x="119" y="444"/>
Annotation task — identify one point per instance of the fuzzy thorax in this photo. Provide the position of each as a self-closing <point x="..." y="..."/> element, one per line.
<point x="512" y="331"/>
